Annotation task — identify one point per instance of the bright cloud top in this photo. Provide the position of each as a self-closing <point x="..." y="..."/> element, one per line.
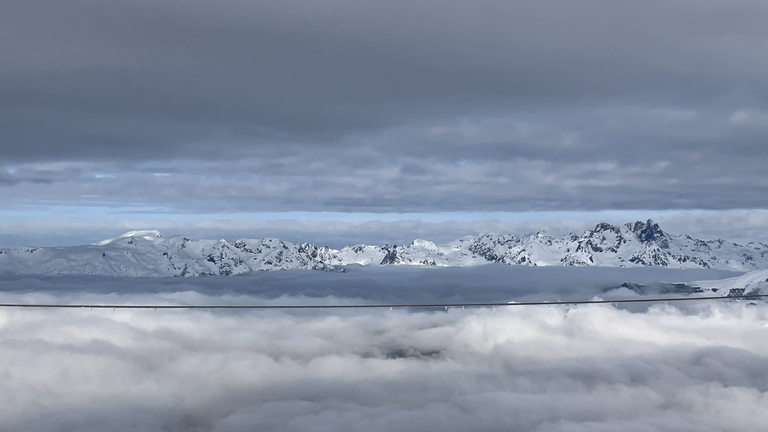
<point x="529" y="369"/>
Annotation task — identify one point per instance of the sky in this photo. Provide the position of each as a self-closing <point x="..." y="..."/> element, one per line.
<point x="142" y="114"/>
<point x="340" y="122"/>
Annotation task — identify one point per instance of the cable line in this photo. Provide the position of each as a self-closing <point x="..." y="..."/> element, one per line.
<point x="375" y="306"/>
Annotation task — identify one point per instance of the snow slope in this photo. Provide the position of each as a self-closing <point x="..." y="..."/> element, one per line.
<point x="748" y="283"/>
<point x="148" y="253"/>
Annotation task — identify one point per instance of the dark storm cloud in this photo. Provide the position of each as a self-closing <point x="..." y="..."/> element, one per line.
<point x="391" y="106"/>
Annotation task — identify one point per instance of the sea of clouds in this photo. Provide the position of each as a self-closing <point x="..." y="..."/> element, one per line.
<point x="697" y="366"/>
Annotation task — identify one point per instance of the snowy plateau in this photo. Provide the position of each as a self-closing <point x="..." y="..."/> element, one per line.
<point x="148" y="253"/>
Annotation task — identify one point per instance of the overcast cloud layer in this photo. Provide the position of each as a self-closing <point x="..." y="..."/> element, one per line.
<point x="383" y="106"/>
<point x="741" y="226"/>
<point x="589" y="368"/>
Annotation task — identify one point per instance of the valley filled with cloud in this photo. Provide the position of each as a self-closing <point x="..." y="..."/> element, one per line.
<point x="698" y="366"/>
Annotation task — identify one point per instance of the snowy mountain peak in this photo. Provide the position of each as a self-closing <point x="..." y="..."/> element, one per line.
<point x="604" y="226"/>
<point x="424" y="244"/>
<point x="647" y="232"/>
<point x="142" y="234"/>
<point x="148" y="253"/>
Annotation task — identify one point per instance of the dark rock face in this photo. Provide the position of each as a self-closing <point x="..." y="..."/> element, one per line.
<point x="651" y="258"/>
<point x="519" y="259"/>
<point x="485" y="251"/>
<point x="660" y="288"/>
<point x="696" y="260"/>
<point x="486" y="246"/>
<point x="604" y="226"/>
<point x="649" y="232"/>
<point x="391" y="256"/>
<point x="572" y="261"/>
<point x="604" y="238"/>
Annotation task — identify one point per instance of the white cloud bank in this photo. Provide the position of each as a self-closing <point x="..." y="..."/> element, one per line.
<point x="590" y="368"/>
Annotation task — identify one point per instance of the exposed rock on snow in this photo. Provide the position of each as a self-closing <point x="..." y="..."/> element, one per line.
<point x="148" y="253"/>
<point x="748" y="283"/>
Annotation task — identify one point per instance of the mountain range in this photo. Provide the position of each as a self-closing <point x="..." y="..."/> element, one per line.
<point x="148" y="253"/>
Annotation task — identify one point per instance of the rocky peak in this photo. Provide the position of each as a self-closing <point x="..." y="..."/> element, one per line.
<point x="649" y="232"/>
<point x="391" y="255"/>
<point x="604" y="226"/>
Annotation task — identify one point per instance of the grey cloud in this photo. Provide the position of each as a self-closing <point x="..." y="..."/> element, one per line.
<point x="492" y="283"/>
<point x="42" y="174"/>
<point x="323" y="181"/>
<point x="306" y="66"/>
<point x="340" y="106"/>
<point x="336" y="234"/>
<point x="735" y="225"/>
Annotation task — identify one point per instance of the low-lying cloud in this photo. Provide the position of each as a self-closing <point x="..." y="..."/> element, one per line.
<point x="699" y="367"/>
<point x="374" y="284"/>
<point x="527" y="369"/>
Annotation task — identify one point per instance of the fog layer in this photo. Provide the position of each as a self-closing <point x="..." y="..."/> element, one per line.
<point x="700" y="367"/>
<point x="519" y="368"/>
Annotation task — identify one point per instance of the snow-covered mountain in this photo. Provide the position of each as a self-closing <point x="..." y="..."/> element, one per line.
<point x="754" y="282"/>
<point x="635" y="244"/>
<point x="147" y="253"/>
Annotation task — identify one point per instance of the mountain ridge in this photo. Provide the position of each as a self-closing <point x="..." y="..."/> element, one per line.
<point x="148" y="253"/>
